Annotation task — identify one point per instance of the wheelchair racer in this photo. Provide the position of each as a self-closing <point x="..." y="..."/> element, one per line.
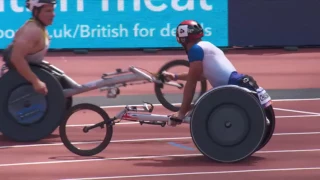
<point x="206" y="62"/>
<point x="31" y="42"/>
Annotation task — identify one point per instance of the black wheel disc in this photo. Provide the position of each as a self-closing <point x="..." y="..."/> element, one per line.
<point x="26" y="106"/>
<point x="228" y="124"/>
<point x="30" y="116"/>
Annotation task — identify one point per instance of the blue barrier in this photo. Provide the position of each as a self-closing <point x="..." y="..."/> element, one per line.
<point x="120" y="23"/>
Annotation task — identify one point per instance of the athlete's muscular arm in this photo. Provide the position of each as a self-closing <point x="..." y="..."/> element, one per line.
<point x="23" y="44"/>
<point x="183" y="76"/>
<point x="195" y="72"/>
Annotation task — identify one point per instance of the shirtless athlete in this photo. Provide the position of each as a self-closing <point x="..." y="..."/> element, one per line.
<point x="206" y="61"/>
<point x="31" y="42"/>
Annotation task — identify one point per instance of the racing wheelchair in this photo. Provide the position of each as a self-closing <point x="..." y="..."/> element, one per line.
<point x="28" y="116"/>
<point x="227" y="123"/>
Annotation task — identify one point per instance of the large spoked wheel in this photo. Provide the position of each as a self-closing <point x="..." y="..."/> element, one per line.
<point x="105" y="124"/>
<point x="159" y="87"/>
<point x="227" y="124"/>
<point x="269" y="127"/>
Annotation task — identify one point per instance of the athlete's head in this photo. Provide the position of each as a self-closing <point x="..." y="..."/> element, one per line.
<point x="42" y="10"/>
<point x="189" y="32"/>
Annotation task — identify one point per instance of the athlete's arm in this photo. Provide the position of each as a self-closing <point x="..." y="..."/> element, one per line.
<point x="22" y="46"/>
<point x="183" y="76"/>
<point x="195" y="72"/>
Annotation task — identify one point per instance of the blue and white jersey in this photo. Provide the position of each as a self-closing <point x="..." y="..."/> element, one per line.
<point x="216" y="66"/>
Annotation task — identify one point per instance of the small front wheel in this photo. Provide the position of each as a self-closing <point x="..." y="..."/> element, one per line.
<point x="103" y="124"/>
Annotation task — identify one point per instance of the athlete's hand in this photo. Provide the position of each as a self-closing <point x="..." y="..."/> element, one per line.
<point x="178" y="115"/>
<point x="169" y="76"/>
<point x="40" y="87"/>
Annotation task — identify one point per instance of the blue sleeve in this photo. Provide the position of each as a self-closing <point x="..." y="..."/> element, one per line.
<point x="195" y="53"/>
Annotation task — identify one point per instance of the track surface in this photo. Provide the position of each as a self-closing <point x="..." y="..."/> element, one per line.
<point x="152" y="152"/>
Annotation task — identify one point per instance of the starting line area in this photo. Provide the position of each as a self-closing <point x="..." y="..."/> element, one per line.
<point x="152" y="152"/>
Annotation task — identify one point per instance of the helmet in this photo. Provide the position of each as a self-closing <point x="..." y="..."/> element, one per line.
<point x="31" y="4"/>
<point x="188" y="30"/>
<point x="38" y="4"/>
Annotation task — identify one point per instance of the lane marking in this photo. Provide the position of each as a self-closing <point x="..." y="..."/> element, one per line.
<point x="181" y="146"/>
<point x="122" y="106"/>
<point x="92" y="142"/>
<point x="299" y="133"/>
<point x="130" y="123"/>
<point x="288" y="151"/>
<point x="275" y="100"/>
<point x="297" y="111"/>
<point x="199" y="173"/>
<point x="139" y="140"/>
<point x="297" y="116"/>
<point x="140" y="157"/>
<point x="121" y="123"/>
<point x="306" y="99"/>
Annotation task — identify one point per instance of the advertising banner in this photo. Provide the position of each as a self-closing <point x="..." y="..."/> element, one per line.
<point x="120" y="23"/>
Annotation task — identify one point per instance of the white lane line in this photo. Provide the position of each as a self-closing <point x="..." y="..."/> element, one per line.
<point x="130" y="123"/>
<point x="138" y="158"/>
<point x="122" y="106"/>
<point x="275" y="100"/>
<point x="199" y="173"/>
<point x="92" y="142"/>
<point x="298" y="133"/>
<point x="139" y="140"/>
<point x="297" y="111"/>
<point x="306" y="99"/>
<point x="296" y="116"/>
<point x="121" y="123"/>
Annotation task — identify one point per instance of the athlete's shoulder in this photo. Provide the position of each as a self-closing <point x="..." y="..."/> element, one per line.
<point x="32" y="27"/>
<point x="210" y="48"/>
<point x="196" y="53"/>
<point x="30" y="30"/>
<point x="28" y="33"/>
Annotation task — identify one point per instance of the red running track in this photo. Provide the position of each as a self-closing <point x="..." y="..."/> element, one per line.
<point x="273" y="69"/>
<point x="152" y="152"/>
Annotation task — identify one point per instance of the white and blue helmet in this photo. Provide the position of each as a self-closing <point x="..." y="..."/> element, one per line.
<point x="32" y="4"/>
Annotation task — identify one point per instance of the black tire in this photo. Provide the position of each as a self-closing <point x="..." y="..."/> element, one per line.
<point x="158" y="87"/>
<point x="108" y="127"/>
<point x="58" y="76"/>
<point x="270" y="128"/>
<point x="47" y="124"/>
<point x="69" y="100"/>
<point x="238" y="144"/>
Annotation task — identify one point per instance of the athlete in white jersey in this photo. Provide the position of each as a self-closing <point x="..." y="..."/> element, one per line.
<point x="31" y="42"/>
<point x="206" y="61"/>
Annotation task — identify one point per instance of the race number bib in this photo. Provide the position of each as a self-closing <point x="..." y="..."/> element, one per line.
<point x="263" y="96"/>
